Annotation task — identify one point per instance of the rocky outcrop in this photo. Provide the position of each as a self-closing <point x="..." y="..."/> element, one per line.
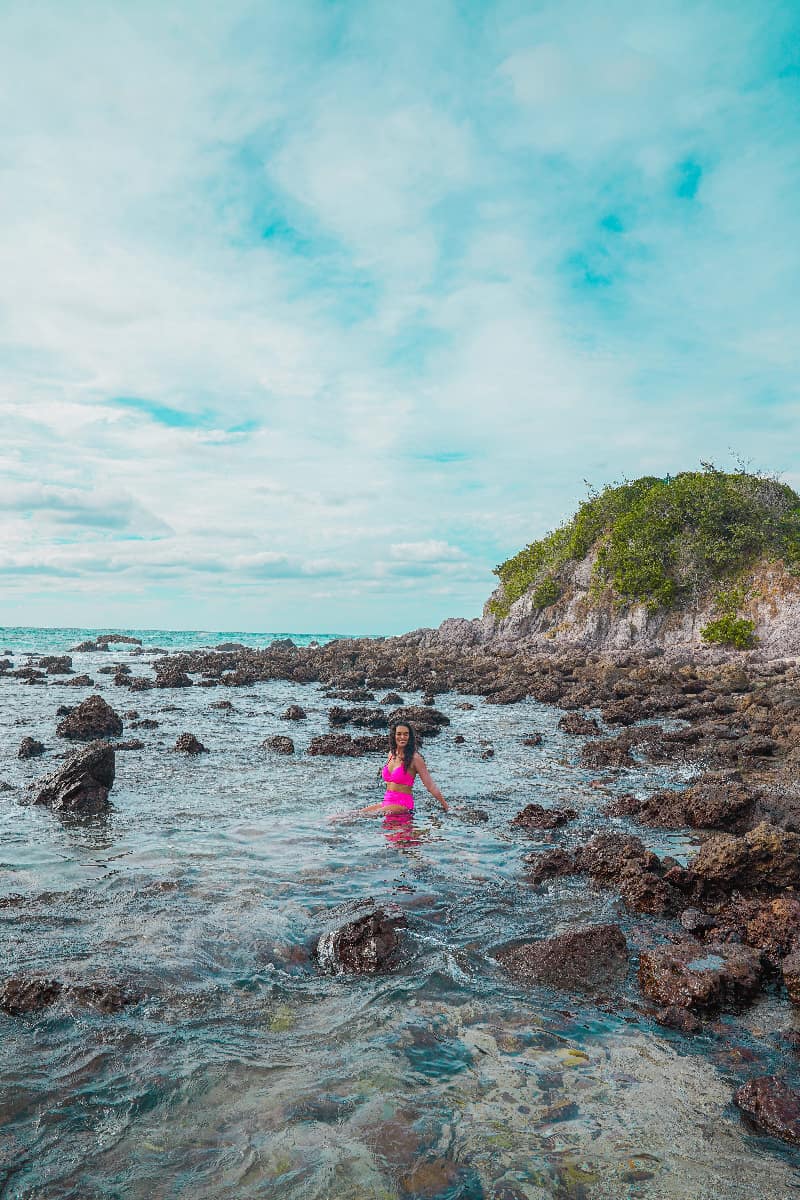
<point x="427" y="722"/>
<point x="92" y="718"/>
<point x="772" y="1106"/>
<point x="295" y="712"/>
<point x="578" y="725"/>
<point x="364" y="946"/>
<point x="81" y="784"/>
<point x="765" y="859"/>
<point x="696" y="976"/>
<point x="342" y="745"/>
<point x="582" y="960"/>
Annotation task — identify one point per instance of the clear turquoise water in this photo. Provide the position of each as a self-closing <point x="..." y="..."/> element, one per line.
<point x="246" y="1072"/>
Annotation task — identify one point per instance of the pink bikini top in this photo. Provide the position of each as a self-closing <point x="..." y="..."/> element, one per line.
<point x="398" y="775"/>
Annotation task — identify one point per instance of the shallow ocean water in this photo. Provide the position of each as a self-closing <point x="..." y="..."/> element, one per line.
<point x="246" y="1072"/>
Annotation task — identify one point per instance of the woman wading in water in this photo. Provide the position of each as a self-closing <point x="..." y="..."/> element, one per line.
<point x="399" y="772"/>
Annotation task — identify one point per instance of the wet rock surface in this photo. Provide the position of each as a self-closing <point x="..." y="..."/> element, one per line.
<point x="772" y="1106"/>
<point x="30" y="748"/>
<point x="81" y="784"/>
<point x="582" y="960"/>
<point x="279" y="744"/>
<point x="534" y="816"/>
<point x="91" y="719"/>
<point x="694" y="975"/>
<point x="365" y="946"/>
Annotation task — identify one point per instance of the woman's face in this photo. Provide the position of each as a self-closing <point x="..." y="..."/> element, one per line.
<point x="401" y="736"/>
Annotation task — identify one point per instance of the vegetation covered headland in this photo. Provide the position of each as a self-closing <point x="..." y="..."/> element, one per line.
<point x="701" y="557"/>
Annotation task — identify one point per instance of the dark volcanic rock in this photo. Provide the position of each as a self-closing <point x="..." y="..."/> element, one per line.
<point x="82" y="783"/>
<point x="533" y="739"/>
<point x="696" y="976"/>
<point x="169" y="675"/>
<point x="791" y="975"/>
<point x="22" y="994"/>
<point x="30" y="748"/>
<point x="278" y="743"/>
<point x="295" y="712"/>
<point x="772" y="1106"/>
<point x="550" y="865"/>
<point x="675" y="1017"/>
<point x="91" y="719"/>
<point x="106" y="639"/>
<point x="606" y="752"/>
<point x="364" y="946"/>
<point x="145" y="723"/>
<point x="534" y="816"/>
<point x="582" y="960"/>
<point x="393" y="698"/>
<point x="104" y="997"/>
<point x="579" y="725"/>
<point x="608" y="856"/>
<point x="222" y="705"/>
<point x="56" y="664"/>
<point x="343" y="745"/>
<point x="131" y="744"/>
<point x="187" y="743"/>
<point x="366" y="718"/>
<point x="426" y="721"/>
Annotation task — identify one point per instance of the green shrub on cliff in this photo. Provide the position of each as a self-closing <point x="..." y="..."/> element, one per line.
<point x="662" y="542"/>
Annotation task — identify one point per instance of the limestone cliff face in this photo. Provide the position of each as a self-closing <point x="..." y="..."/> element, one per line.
<point x="579" y="619"/>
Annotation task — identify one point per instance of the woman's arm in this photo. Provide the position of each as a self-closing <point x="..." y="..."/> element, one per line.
<point x="425" y="776"/>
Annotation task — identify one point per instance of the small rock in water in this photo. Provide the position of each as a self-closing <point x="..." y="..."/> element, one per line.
<point x="295" y="712"/>
<point x="92" y="718"/>
<point x="697" y="976"/>
<point x="459" y="739"/>
<point x="223" y="705"/>
<point x="187" y="743"/>
<point x="472" y="816"/>
<point x="82" y="783"/>
<point x="772" y="1106"/>
<point x="534" y="816"/>
<point x="533" y="739"/>
<point x="30" y="748"/>
<point x="579" y="725"/>
<point x="364" y="946"/>
<point x="391" y="698"/>
<point x="280" y="744"/>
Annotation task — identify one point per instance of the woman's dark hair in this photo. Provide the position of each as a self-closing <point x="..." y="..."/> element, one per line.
<point x="411" y="746"/>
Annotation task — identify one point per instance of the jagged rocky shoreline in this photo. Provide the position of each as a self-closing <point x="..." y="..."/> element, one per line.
<point x="728" y="922"/>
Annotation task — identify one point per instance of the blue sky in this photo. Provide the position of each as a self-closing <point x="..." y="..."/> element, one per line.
<point x="312" y="313"/>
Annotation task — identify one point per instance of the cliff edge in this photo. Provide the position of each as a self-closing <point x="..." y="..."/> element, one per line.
<point x="703" y="559"/>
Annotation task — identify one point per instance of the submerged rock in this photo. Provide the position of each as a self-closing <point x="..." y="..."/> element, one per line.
<point x="364" y="946"/>
<point x="772" y="1106"/>
<point x="82" y="783"/>
<point x="92" y="718"/>
<point x="582" y="960"/>
<point x="692" y="975"/>
<point x="187" y="743"/>
<point x="21" y="994"/>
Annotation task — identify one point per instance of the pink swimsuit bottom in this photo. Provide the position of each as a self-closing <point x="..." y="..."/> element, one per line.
<point x="399" y="775"/>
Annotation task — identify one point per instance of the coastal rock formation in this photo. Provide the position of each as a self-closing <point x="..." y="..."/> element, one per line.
<point x="342" y="745"/>
<point x="295" y="712"/>
<point x="364" y="946"/>
<point x="187" y="743"/>
<point x="366" y="718"/>
<point x="772" y="1106"/>
<point x="696" y="976"/>
<point x="92" y="718"/>
<point x="427" y="722"/>
<point x="765" y="859"/>
<point x="81" y="784"/>
<point x="26" y="994"/>
<point x="30" y="748"/>
<point x="581" y="960"/>
<point x="791" y="975"/>
<point x="56" y="664"/>
<point x="579" y="725"/>
<point x="606" y="752"/>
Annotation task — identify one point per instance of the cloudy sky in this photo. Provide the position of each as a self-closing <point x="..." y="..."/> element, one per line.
<point x="312" y="312"/>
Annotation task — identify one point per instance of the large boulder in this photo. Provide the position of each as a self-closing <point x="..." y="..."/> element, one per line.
<point x="92" y="718"/>
<point x="583" y="960"/>
<point x="364" y="946"/>
<point x="81" y="784"/>
<point x="692" y="975"/>
<point x="766" y="859"/>
<point x="772" y="1106"/>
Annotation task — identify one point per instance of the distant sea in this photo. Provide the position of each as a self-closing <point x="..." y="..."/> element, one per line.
<point x="22" y="639"/>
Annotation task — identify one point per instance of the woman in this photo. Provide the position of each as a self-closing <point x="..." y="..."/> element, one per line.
<point x="399" y="772"/>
